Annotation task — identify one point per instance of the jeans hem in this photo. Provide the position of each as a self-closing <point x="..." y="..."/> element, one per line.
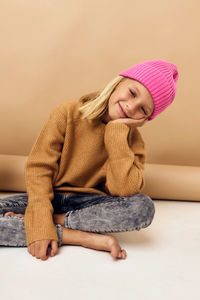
<point x="60" y="234"/>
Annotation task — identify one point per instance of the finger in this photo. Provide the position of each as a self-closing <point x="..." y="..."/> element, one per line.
<point x="54" y="248"/>
<point x="140" y="122"/>
<point x="32" y="249"/>
<point x="133" y="122"/>
<point x="143" y="118"/>
<point x="29" y="249"/>
<point x="43" y="251"/>
<point x="39" y="248"/>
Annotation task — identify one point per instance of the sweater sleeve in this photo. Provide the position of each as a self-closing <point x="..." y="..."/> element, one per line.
<point x="40" y="170"/>
<point x="126" y="158"/>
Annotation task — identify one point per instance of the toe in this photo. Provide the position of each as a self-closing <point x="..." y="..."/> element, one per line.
<point x="114" y="253"/>
<point x="9" y="213"/>
<point x="124" y="254"/>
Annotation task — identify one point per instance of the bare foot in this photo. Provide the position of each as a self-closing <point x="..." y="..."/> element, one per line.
<point x="116" y="251"/>
<point x="92" y="240"/>
<point x="10" y="213"/>
<point x="114" y="248"/>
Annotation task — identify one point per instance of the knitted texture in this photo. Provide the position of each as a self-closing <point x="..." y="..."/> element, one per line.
<point x="73" y="156"/>
<point x="160" y="78"/>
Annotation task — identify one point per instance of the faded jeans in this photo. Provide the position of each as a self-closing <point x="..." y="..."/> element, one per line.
<point x="86" y="212"/>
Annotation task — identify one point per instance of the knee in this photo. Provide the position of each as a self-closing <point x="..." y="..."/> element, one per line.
<point x="148" y="207"/>
<point x="143" y="209"/>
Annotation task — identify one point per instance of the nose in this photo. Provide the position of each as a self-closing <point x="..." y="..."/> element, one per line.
<point x="131" y="107"/>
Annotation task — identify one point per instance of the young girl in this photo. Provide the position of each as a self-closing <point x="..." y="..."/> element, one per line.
<point x="84" y="174"/>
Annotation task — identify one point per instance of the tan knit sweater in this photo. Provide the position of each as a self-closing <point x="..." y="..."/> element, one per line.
<point x="70" y="156"/>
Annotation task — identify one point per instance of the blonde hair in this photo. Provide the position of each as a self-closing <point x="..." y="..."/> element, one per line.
<point x="97" y="103"/>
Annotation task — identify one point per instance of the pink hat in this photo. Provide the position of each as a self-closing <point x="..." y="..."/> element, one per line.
<point x="160" y="78"/>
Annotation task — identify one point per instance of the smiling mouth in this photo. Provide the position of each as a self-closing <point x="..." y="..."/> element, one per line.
<point x="122" y="112"/>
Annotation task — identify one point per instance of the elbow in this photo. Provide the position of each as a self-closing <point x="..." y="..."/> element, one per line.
<point x="130" y="186"/>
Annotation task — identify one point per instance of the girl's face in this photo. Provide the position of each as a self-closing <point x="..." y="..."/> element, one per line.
<point x="130" y="99"/>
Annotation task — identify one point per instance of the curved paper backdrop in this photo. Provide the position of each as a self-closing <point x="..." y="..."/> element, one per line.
<point x="53" y="51"/>
<point x="161" y="181"/>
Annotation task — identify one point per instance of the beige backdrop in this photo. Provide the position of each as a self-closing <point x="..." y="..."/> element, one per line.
<point x="52" y="51"/>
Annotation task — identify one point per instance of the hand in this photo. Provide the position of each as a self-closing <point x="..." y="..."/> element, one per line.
<point x="39" y="248"/>
<point x="131" y="122"/>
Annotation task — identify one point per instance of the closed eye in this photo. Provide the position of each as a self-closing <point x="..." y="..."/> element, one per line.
<point x="134" y="95"/>
<point x="144" y="111"/>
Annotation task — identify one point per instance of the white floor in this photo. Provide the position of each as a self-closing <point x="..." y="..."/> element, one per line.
<point x="163" y="263"/>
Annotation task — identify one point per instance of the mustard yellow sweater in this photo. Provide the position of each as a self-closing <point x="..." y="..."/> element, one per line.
<point x="70" y="156"/>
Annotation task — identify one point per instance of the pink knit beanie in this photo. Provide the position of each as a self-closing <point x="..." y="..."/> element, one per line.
<point x="160" y="78"/>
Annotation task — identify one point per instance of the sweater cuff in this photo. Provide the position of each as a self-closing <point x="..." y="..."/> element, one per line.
<point x="116" y="140"/>
<point x="39" y="225"/>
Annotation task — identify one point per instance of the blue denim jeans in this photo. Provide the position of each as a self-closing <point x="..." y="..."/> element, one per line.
<point x="86" y="212"/>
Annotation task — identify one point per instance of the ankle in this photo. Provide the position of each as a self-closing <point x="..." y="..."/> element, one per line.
<point x="72" y="237"/>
